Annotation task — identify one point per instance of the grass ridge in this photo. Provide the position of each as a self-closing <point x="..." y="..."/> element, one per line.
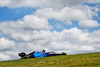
<point x="79" y="60"/>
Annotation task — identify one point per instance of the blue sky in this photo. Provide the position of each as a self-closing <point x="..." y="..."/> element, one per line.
<point x="7" y="14"/>
<point x="63" y="25"/>
<point x="70" y="26"/>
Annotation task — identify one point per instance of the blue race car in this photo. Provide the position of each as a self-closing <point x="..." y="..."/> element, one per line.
<point x="38" y="54"/>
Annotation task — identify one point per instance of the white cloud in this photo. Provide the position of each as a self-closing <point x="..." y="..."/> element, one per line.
<point x="69" y="23"/>
<point x="89" y="23"/>
<point x="21" y="29"/>
<point x="43" y="3"/>
<point x="6" y="44"/>
<point x="29" y="22"/>
<point x="86" y="48"/>
<point x="59" y="26"/>
<point x="31" y="3"/>
<point x="83" y="14"/>
<point x="4" y="57"/>
<point x="7" y="49"/>
<point x="34" y="22"/>
<point x="66" y="13"/>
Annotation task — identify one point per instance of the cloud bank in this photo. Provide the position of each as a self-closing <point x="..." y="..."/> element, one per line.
<point x="43" y="3"/>
<point x="71" y="41"/>
<point x="34" y="32"/>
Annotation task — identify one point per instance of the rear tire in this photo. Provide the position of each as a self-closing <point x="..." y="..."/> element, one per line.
<point x="25" y="57"/>
<point x="63" y="53"/>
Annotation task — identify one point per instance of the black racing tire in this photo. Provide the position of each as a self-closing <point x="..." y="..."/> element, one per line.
<point x="25" y="57"/>
<point x="63" y="53"/>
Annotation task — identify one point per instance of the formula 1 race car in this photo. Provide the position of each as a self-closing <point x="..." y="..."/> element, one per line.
<point x="40" y="54"/>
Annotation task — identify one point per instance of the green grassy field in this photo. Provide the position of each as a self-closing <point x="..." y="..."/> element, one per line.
<point x="80" y="60"/>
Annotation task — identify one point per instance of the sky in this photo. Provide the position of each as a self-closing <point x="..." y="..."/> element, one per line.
<point x="70" y="26"/>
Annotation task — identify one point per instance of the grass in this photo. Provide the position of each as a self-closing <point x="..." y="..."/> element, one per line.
<point x="80" y="60"/>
